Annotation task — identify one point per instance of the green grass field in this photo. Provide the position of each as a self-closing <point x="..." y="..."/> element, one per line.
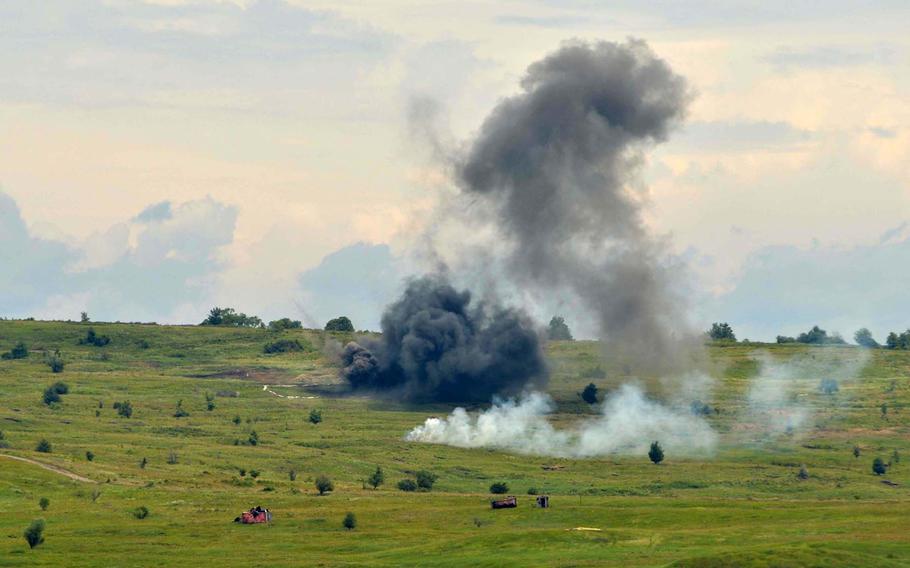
<point x="742" y="506"/>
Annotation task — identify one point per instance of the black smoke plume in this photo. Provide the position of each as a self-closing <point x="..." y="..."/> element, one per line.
<point x="437" y="345"/>
<point x="555" y="167"/>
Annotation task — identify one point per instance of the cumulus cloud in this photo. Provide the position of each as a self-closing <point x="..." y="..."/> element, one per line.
<point x="141" y="269"/>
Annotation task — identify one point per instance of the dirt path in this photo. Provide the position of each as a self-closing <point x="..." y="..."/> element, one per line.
<point x="49" y="467"/>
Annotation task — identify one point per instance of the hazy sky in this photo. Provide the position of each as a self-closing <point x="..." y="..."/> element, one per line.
<point x="161" y="157"/>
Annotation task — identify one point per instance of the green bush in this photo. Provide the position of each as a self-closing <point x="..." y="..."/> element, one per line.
<point x="44" y="503"/>
<point x="349" y="522"/>
<point x="721" y="332"/>
<point x="282" y="346"/>
<point x="879" y="467"/>
<point x="141" y="512"/>
<point x="55" y="362"/>
<point x="342" y="323"/>
<point x="558" y="330"/>
<point x="283" y="324"/>
<point x="499" y="488"/>
<point x="124" y="409"/>
<point x="377" y="479"/>
<point x="407" y="485"/>
<point x="91" y="338"/>
<point x="180" y="412"/>
<point x="43" y="446"/>
<point x="34" y="534"/>
<point x="90" y="455"/>
<point x="425" y="479"/>
<point x="656" y="453"/>
<point x="589" y="394"/>
<point x="19" y="351"/>
<point x="227" y="317"/>
<point x="315" y="416"/>
<point x="324" y="484"/>
<point x="50" y="396"/>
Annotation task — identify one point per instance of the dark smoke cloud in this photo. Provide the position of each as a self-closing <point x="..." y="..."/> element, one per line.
<point x="438" y="346"/>
<point x="555" y="165"/>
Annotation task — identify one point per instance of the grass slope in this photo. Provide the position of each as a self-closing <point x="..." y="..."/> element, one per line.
<point x="744" y="506"/>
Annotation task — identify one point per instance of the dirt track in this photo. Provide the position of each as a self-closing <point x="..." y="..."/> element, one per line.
<point x="49" y="467"/>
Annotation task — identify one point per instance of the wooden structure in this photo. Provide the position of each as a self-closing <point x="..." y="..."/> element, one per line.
<point x="543" y="501"/>
<point x="509" y="502"/>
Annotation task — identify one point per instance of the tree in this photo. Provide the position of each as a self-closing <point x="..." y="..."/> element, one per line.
<point x="55" y="362"/>
<point x="315" y="416"/>
<point x="44" y="446"/>
<point x="324" y="484"/>
<point x="50" y="396"/>
<point x="407" y="485"/>
<point x="83" y="317"/>
<point x="377" y="479"/>
<point x="342" y="323"/>
<point x="785" y="339"/>
<point x="863" y="337"/>
<point x="92" y="338"/>
<point x="209" y="402"/>
<point x="284" y="323"/>
<point x="892" y="341"/>
<point x="499" y="488"/>
<point x="34" y="534"/>
<point x="349" y="522"/>
<point x="19" y="351"/>
<point x="818" y="336"/>
<point x="90" y="455"/>
<point x="253" y="438"/>
<point x="558" y="330"/>
<point x="44" y="503"/>
<point x="856" y="451"/>
<point x="721" y="332"/>
<point x="228" y="317"/>
<point x="426" y="479"/>
<point x="656" y="453"/>
<point x="282" y="346"/>
<point x="589" y="395"/>
<point x="143" y="463"/>
<point x="124" y="409"/>
<point x="878" y="466"/>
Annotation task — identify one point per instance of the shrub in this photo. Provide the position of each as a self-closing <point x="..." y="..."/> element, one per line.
<point x="818" y="336"/>
<point x="141" y="512"/>
<point x="91" y="338"/>
<point x="284" y="323"/>
<point x="44" y="503"/>
<point x="55" y="362"/>
<point x="721" y="332"/>
<point x="142" y="344"/>
<point x="828" y="386"/>
<point x="856" y="451"/>
<point x="656" y="453"/>
<point x="180" y="412"/>
<point x="43" y="446"/>
<point x="315" y="416"/>
<point x="499" y="488"/>
<point x="229" y="318"/>
<point x="124" y="409"/>
<point x="237" y="420"/>
<point x="19" y="351"/>
<point x="324" y="484"/>
<point x="803" y="472"/>
<point x="34" y="534"/>
<point x="407" y="485"/>
<point x="242" y="472"/>
<point x="785" y="339"/>
<point x="292" y="475"/>
<point x="3" y="442"/>
<point x="144" y="462"/>
<point x="209" y="402"/>
<point x="90" y="455"/>
<point x="558" y="330"/>
<point x="254" y="473"/>
<point x="349" y="522"/>
<point x="50" y="396"/>
<point x="83" y="317"/>
<point x="282" y="346"/>
<point x="532" y="491"/>
<point x="878" y="466"/>
<point x="172" y="458"/>
<point x="96" y="493"/>
<point x="377" y="479"/>
<point x="425" y="479"/>
<point x="863" y="337"/>
<point x="589" y="394"/>
<point x="342" y="323"/>
<point x="253" y="438"/>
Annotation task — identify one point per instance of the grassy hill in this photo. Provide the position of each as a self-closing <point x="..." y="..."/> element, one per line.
<point x="742" y="506"/>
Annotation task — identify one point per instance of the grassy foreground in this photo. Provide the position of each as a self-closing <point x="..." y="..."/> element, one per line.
<point x="741" y="506"/>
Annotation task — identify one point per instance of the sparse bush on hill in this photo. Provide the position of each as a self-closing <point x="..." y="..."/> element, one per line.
<point x="209" y="402"/>
<point x="818" y="336"/>
<point x="803" y="473"/>
<point x="180" y="412"/>
<point x="785" y="339"/>
<point x="34" y="534"/>
<point x="532" y="491"/>
<point x="721" y="332"/>
<point x="863" y="337"/>
<point x="558" y="330"/>
<point x="282" y="346"/>
<point x="426" y="479"/>
<point x="828" y="386"/>
<point x="90" y="455"/>
<point x="91" y="338"/>
<point x="43" y="446"/>
<point x="898" y="340"/>
<point x="315" y="416"/>
<point x="3" y="442"/>
<point x="407" y="485"/>
<point x="342" y="323"/>
<point x="55" y="362"/>
<point x="172" y="458"/>
<point x="856" y="451"/>
<point x="283" y="324"/>
<point x="50" y="396"/>
<point x="253" y="438"/>
<point x="324" y="484"/>
<point x="124" y="409"/>
<point x="879" y="467"/>
<point x="141" y="512"/>
<point x="143" y="344"/>
<point x="656" y="453"/>
<point x="589" y="394"/>
<point x="143" y="462"/>
<point x="228" y="317"/>
<point x="44" y="503"/>
<point x="499" y="488"/>
<point x="350" y="521"/>
<point x="19" y="351"/>
<point x="377" y="478"/>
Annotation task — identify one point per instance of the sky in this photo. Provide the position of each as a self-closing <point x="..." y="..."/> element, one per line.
<point x="161" y="157"/>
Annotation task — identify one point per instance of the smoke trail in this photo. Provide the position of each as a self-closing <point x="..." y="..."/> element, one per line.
<point x="627" y="424"/>
<point x="778" y="400"/>
<point x="554" y="165"/>
<point x="437" y="346"/>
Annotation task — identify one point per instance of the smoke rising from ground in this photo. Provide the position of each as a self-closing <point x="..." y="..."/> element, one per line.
<point x="628" y="422"/>
<point x="554" y="167"/>
<point x="437" y="345"/>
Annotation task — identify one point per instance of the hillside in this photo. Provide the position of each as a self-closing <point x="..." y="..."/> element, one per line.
<point x="742" y="504"/>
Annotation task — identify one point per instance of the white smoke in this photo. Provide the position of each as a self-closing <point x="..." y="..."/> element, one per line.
<point x="628" y="423"/>
<point x="779" y="397"/>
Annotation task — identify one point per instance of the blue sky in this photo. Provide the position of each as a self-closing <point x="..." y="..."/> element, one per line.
<point x="160" y="157"/>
